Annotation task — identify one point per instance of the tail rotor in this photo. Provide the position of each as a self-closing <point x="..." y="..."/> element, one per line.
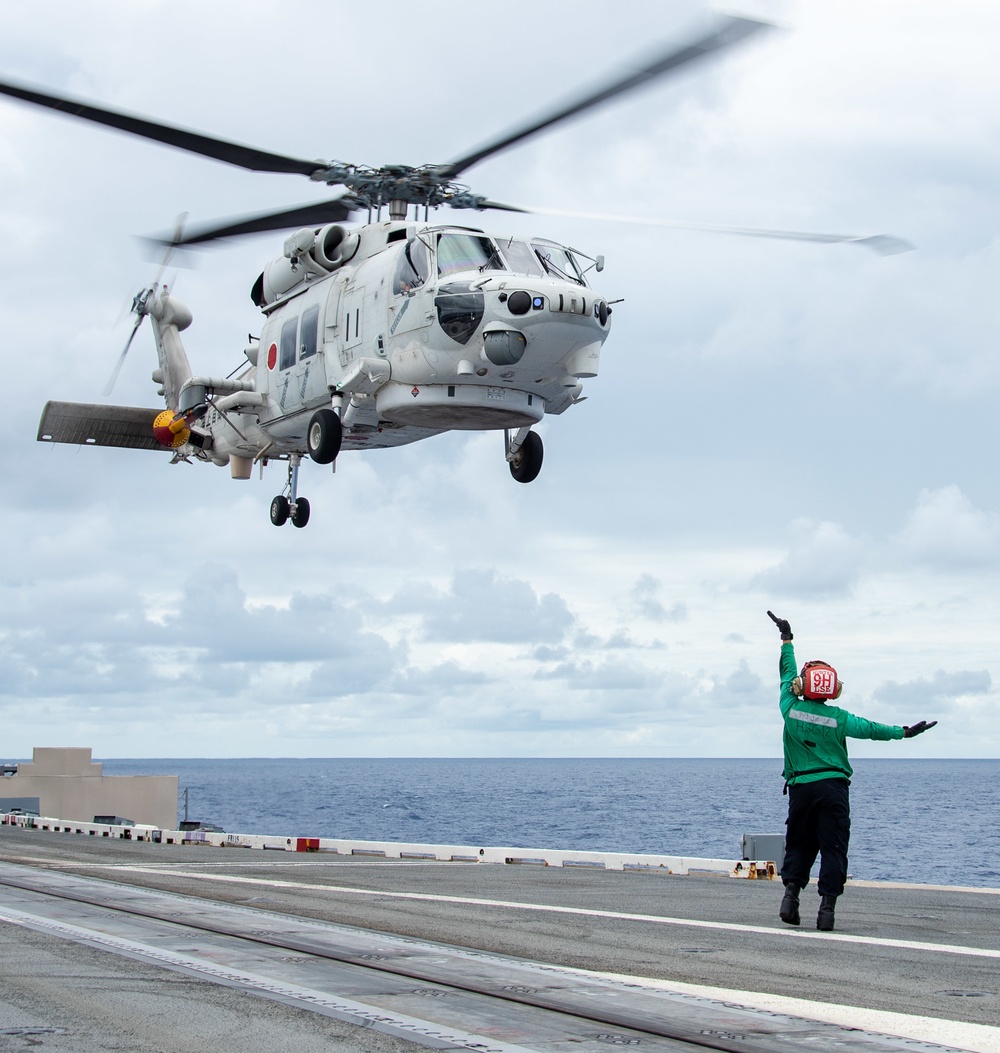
<point x="139" y="302"/>
<point x="143" y="299"/>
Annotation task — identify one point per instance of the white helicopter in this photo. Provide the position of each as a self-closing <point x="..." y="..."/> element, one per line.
<point x="380" y="335"/>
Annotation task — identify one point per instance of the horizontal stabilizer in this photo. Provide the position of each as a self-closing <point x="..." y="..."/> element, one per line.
<point x="84" y="424"/>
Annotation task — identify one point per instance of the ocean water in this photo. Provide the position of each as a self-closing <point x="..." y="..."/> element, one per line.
<point x="933" y="821"/>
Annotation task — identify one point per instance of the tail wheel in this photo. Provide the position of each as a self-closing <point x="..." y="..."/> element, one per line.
<point x="280" y="510"/>
<point x="324" y="436"/>
<point x="527" y="462"/>
<point x="300" y="513"/>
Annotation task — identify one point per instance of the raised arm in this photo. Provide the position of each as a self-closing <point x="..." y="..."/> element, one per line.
<point x="786" y="664"/>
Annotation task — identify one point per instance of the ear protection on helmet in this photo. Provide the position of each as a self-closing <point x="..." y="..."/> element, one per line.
<point x="817" y="681"/>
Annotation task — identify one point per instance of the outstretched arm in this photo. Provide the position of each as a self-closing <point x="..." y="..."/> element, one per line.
<point x="860" y="728"/>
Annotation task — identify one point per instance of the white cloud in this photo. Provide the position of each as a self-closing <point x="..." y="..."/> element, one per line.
<point x="616" y="605"/>
<point x="940" y="689"/>
<point x="823" y="560"/>
<point x="947" y="532"/>
<point x="608" y="674"/>
<point x="646" y="603"/>
<point x="484" y="605"/>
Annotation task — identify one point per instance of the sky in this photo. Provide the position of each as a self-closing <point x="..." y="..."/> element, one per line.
<point x="805" y="428"/>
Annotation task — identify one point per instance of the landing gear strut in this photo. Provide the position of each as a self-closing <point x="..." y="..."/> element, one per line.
<point x="524" y="454"/>
<point x="323" y="438"/>
<point x="292" y="507"/>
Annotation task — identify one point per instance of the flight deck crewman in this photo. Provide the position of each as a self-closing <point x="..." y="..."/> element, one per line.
<point x="817" y="776"/>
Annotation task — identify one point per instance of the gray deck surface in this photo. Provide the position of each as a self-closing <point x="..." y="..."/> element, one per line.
<point x="908" y="950"/>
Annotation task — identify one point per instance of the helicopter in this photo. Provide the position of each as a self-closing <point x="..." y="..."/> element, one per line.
<point x="383" y="334"/>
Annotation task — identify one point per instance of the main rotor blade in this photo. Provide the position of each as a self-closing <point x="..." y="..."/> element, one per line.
<point x="499" y="206"/>
<point x="242" y="156"/>
<point x="731" y="31"/>
<point x="883" y="244"/>
<point x="315" y="214"/>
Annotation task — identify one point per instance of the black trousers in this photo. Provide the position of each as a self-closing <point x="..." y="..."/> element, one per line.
<point x="819" y="823"/>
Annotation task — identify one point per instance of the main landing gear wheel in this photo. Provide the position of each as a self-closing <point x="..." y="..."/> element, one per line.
<point x="293" y="507"/>
<point x="324" y="436"/>
<point x="527" y="462"/>
<point x="300" y="512"/>
<point x="280" y="510"/>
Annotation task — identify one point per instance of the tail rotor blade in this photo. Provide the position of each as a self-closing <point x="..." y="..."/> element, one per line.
<point x="121" y="358"/>
<point x="140" y="300"/>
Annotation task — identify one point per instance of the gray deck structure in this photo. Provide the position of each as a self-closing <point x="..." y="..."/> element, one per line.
<point x="918" y="962"/>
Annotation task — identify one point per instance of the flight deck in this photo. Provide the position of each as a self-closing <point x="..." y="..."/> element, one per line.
<point x="394" y="954"/>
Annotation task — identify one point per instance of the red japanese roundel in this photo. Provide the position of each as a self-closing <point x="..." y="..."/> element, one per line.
<point x="272" y="356"/>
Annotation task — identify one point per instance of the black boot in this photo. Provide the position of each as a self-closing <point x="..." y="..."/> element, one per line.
<point x="824" y="920"/>
<point x="789" y="910"/>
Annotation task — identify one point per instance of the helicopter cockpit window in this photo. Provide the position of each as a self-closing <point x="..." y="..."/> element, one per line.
<point x="520" y="259"/>
<point x="412" y="267"/>
<point x="466" y="252"/>
<point x="558" y="261"/>
<point x="286" y="356"/>
<point x="309" y="332"/>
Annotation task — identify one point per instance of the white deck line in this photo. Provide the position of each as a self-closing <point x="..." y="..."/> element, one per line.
<point x="978" y="1038"/>
<point x="655" y="919"/>
<point x="355" y="863"/>
<point x="361" y="1014"/>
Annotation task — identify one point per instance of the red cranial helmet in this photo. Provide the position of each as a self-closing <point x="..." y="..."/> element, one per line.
<point x="818" y="681"/>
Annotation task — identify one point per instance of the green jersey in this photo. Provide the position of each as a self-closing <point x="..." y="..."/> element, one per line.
<point x="816" y="733"/>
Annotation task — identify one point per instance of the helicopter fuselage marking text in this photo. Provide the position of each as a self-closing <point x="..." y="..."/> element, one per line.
<point x="396" y="320"/>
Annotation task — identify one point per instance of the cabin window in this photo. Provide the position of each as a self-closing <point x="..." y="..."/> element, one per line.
<point x="467" y="252"/>
<point x="558" y="261"/>
<point x="412" y="267"/>
<point x="308" y="334"/>
<point x="286" y="351"/>
<point x="520" y="259"/>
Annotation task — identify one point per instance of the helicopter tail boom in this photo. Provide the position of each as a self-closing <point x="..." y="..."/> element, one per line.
<point x="169" y="318"/>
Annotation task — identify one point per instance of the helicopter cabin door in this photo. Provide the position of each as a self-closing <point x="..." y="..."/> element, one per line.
<point x="411" y="305"/>
<point x="310" y="374"/>
<point x="294" y="374"/>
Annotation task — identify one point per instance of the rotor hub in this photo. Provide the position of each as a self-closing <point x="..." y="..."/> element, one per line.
<point x="374" y="187"/>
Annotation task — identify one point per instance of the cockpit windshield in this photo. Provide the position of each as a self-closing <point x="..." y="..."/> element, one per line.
<point x="559" y="261"/>
<point x="466" y="252"/>
<point x="520" y="259"/>
<point x="459" y="251"/>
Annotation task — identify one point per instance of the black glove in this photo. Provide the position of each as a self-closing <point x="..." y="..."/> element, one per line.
<point x="783" y="627"/>
<point x="916" y="729"/>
